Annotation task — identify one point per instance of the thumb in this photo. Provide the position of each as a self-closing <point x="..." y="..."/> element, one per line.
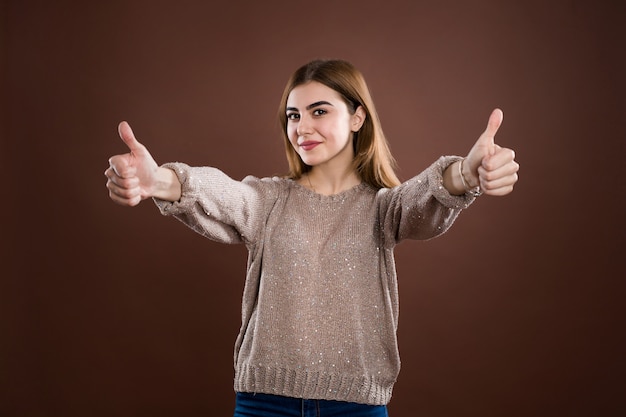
<point x="127" y="135"/>
<point x="487" y="139"/>
<point x="495" y="120"/>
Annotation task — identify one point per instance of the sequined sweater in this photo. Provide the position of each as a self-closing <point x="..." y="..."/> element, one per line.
<point x="320" y="300"/>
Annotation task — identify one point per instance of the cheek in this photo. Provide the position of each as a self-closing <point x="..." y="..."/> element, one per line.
<point x="338" y="126"/>
<point x="339" y="131"/>
<point x="291" y="132"/>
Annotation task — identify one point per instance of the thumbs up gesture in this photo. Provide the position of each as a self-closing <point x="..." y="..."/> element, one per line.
<point x="488" y="165"/>
<point x="135" y="176"/>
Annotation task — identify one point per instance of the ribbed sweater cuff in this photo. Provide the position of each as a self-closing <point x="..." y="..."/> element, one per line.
<point x="306" y="384"/>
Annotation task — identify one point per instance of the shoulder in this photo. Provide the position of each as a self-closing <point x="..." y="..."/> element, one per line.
<point x="273" y="186"/>
<point x="268" y="182"/>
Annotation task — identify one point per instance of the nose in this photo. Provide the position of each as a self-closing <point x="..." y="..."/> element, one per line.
<point x="304" y="126"/>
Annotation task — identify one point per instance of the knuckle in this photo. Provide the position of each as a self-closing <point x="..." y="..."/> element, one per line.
<point x="127" y="193"/>
<point x="489" y="165"/>
<point x="124" y="183"/>
<point x="488" y="176"/>
<point x="486" y="185"/>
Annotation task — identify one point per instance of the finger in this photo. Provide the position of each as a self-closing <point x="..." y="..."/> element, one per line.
<point x="127" y="135"/>
<point x="122" y="182"/>
<point x="501" y="157"/>
<point x="501" y="186"/>
<point x="500" y="176"/>
<point x="123" y="195"/>
<point x="122" y="166"/>
<point x="133" y="201"/>
<point x="498" y="192"/>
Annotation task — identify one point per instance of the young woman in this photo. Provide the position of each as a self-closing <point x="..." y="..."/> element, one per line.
<point x="320" y="302"/>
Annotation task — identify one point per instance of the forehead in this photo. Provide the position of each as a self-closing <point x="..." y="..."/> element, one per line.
<point x="312" y="92"/>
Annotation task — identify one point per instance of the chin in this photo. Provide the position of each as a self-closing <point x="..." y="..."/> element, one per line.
<point x="309" y="161"/>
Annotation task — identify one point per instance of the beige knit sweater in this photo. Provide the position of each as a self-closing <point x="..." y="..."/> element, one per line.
<point x="320" y="302"/>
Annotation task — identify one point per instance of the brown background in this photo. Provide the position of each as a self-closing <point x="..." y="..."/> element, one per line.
<point x="110" y="311"/>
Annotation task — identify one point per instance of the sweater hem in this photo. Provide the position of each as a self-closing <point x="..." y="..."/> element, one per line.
<point x="314" y="385"/>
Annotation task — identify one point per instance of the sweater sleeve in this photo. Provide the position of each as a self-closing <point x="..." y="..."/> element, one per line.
<point x="217" y="206"/>
<point x="421" y="208"/>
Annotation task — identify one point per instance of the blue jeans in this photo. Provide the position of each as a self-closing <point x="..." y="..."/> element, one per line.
<point x="265" y="405"/>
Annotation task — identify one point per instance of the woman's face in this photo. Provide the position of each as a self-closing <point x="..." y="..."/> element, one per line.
<point x="320" y="126"/>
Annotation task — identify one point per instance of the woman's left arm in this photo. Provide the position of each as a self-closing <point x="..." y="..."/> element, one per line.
<point x="487" y="167"/>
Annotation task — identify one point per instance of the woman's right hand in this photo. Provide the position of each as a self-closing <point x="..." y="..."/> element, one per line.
<point x="135" y="176"/>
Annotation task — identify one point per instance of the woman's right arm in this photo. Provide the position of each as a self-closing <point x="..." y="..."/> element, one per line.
<point x="135" y="176"/>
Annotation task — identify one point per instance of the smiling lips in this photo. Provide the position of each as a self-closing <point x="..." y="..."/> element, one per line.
<point x="308" y="145"/>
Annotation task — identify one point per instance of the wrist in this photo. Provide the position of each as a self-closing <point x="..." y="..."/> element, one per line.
<point x="452" y="179"/>
<point x="167" y="186"/>
<point x="470" y="185"/>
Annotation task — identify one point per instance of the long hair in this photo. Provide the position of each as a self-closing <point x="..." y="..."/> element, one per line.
<point x="373" y="161"/>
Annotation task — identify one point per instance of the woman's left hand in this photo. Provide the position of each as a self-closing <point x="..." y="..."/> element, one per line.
<point x="491" y="166"/>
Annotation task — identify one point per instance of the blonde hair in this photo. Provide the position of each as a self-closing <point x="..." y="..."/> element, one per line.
<point x="373" y="161"/>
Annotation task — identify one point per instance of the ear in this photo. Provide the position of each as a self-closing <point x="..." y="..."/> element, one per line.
<point x="358" y="118"/>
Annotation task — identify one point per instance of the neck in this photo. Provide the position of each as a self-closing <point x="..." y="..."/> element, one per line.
<point x="329" y="183"/>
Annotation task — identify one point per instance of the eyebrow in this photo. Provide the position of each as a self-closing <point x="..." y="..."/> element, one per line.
<point x="311" y="106"/>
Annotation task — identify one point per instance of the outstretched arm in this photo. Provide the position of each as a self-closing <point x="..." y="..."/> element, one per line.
<point x="487" y="165"/>
<point x="135" y="176"/>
